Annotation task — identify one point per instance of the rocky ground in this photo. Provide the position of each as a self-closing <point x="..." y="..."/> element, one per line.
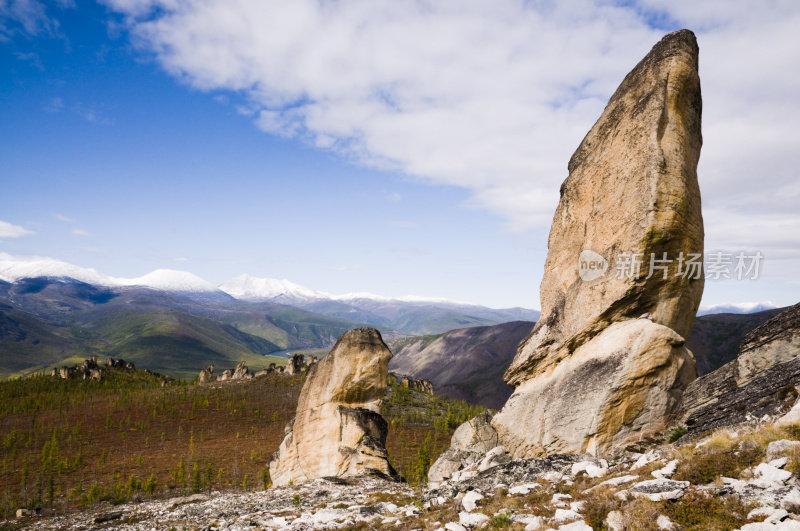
<point x="730" y="480"/>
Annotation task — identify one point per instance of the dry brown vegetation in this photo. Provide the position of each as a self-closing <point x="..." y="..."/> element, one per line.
<point x="71" y="443"/>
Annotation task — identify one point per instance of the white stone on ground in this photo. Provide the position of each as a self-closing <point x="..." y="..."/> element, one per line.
<point x="645" y="459"/>
<point x="566" y="515"/>
<point x="780" y="448"/>
<point x="770" y="513"/>
<point x="618" y="481"/>
<point x="659" y="489"/>
<point x="786" y="525"/>
<point x="575" y="526"/>
<point x="454" y="526"/>
<point x="667" y="471"/>
<point x="523" y="489"/>
<point x="529" y="520"/>
<point x="559" y="500"/>
<point x="472" y="519"/>
<point x="470" y="500"/>
<point x="615" y="521"/>
<point x="770" y="475"/>
<point x="780" y="462"/>
<point x="592" y="469"/>
<point x="553" y="476"/>
<point x="665" y="523"/>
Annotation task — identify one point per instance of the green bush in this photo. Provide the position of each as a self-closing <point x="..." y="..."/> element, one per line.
<point x="501" y="520"/>
<point x="150" y="484"/>
<point x="677" y="433"/>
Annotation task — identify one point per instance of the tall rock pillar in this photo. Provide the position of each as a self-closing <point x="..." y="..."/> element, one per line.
<point x="606" y="364"/>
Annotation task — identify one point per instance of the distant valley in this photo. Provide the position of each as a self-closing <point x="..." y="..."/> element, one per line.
<point x="178" y="324"/>
<point x="53" y="313"/>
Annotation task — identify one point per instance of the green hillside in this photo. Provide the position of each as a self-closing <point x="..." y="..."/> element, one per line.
<point x="46" y="323"/>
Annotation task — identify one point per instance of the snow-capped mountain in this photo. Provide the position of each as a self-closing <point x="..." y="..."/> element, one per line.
<point x="170" y="280"/>
<point x="246" y="287"/>
<point x="14" y="268"/>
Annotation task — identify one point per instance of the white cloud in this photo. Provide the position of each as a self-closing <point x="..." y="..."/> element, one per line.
<point x="495" y="96"/>
<point x="7" y="230"/>
<point x="62" y="217"/>
<point x="79" y="232"/>
<point x="28" y="17"/>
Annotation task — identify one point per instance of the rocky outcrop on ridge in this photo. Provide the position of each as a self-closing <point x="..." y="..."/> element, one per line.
<point x="422" y="385"/>
<point x="241" y="372"/>
<point x="206" y="375"/>
<point x="338" y="430"/>
<point x="90" y="369"/>
<point x="606" y="364"/>
<point x="762" y="380"/>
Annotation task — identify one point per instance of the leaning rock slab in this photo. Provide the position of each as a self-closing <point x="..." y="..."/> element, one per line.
<point x="338" y="430"/>
<point x="591" y="375"/>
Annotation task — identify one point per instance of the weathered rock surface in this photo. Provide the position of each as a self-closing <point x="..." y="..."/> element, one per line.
<point x="522" y="471"/>
<point x="760" y="381"/>
<point x="632" y="190"/>
<point x="659" y="489"/>
<point x="468" y="446"/>
<point x="338" y="430"/>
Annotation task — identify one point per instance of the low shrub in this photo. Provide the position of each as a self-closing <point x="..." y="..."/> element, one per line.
<point x="704" y="467"/>
<point x="597" y="504"/>
<point x="697" y="511"/>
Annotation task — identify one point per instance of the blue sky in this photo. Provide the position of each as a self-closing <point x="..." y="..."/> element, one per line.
<point x="395" y="148"/>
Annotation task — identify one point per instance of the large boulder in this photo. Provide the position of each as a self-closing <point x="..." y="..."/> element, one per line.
<point x="592" y="375"/>
<point x="338" y="430"/>
<point x="470" y="443"/>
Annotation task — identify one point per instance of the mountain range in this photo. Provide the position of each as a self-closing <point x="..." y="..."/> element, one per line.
<point x="53" y="313"/>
